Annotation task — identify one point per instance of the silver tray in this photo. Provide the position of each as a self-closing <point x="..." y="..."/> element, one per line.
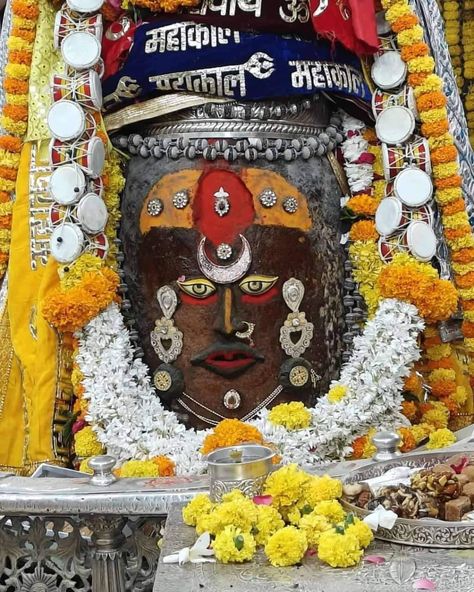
<point x="420" y="533"/>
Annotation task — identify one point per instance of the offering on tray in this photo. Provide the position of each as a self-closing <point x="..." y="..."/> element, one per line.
<point x="444" y="491"/>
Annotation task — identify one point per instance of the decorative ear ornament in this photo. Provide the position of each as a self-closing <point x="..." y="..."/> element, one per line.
<point x="169" y="382"/>
<point x="297" y="374"/>
<point x="166" y="339"/>
<point x="295" y="323"/>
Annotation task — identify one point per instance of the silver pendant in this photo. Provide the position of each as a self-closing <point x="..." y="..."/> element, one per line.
<point x="232" y="399"/>
<point x="295" y="323"/>
<point x="166" y="339"/>
<point x="224" y="252"/>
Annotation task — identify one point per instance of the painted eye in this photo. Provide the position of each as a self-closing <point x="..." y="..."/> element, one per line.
<point x="198" y="288"/>
<point x="255" y="285"/>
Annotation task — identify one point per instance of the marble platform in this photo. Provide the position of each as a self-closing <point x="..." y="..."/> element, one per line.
<point x="451" y="570"/>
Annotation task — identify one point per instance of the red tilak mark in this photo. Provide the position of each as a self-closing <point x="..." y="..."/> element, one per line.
<point x="222" y="229"/>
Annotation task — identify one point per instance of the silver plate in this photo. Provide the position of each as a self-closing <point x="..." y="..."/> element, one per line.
<point x="421" y="533"/>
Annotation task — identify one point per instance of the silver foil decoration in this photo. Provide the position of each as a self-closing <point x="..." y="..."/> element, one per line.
<point x="293" y="293"/>
<point x="290" y="205"/>
<point x="222" y="205"/>
<point x="154" y="207"/>
<point x="225" y="274"/>
<point x="165" y="330"/>
<point x="181" y="199"/>
<point x="224" y="252"/>
<point x="268" y="198"/>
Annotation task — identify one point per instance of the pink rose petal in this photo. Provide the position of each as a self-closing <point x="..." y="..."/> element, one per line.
<point x="460" y="466"/>
<point x="263" y="500"/>
<point x="311" y="552"/>
<point x="424" y="584"/>
<point x="377" y="559"/>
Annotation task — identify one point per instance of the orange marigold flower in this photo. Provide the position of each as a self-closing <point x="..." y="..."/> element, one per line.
<point x="5" y="221"/>
<point x="442" y="388"/>
<point x="454" y="207"/>
<point x="405" y="22"/>
<point x="410" y="410"/>
<point x="4" y="197"/>
<point x="21" y="57"/>
<point x="425" y="407"/>
<point x="363" y="230"/>
<point x="16" y="112"/>
<point x="109" y="12"/>
<point x="412" y="383"/>
<point x="370" y="135"/>
<point x="444" y="154"/>
<point x="446" y="183"/>
<point x="416" y="50"/>
<point x="15" y="86"/>
<point x="431" y="341"/>
<point x="450" y="405"/>
<point x="431" y="100"/>
<point x="358" y="447"/>
<point x="231" y="432"/>
<point x="466" y="281"/>
<point x="3" y="258"/>
<point x="8" y="173"/>
<point x="463" y="256"/>
<point x="408" y="439"/>
<point x="362" y="204"/>
<point x="166" y="466"/>
<point x="468" y="329"/>
<point x="453" y="233"/>
<point x="29" y="11"/>
<point x="445" y="363"/>
<point x="416" y="79"/>
<point x="26" y="34"/>
<point x="468" y="304"/>
<point x="10" y="143"/>
<point x="435" y="299"/>
<point x="438" y="128"/>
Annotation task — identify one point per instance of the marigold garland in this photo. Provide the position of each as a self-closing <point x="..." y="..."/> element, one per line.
<point x="15" y="111"/>
<point x="427" y="89"/>
<point x="165" y="5"/>
<point x="230" y="432"/>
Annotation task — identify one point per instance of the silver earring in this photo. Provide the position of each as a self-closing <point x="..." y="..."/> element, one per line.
<point x="293" y="293"/>
<point x="164" y="330"/>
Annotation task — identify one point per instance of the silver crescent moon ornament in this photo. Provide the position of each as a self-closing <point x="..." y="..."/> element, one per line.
<point x="225" y="274"/>
<point x="323" y="4"/>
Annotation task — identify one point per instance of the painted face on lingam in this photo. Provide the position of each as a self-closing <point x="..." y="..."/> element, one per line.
<point x="234" y="278"/>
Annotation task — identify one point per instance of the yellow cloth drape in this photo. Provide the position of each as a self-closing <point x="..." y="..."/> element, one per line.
<point x="26" y="424"/>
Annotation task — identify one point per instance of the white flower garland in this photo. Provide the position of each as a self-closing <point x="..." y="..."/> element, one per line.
<point x="130" y="421"/>
<point x="359" y="175"/>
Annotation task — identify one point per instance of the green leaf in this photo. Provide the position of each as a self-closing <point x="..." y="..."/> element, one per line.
<point x="307" y="509"/>
<point x="254" y="530"/>
<point x="349" y="519"/>
<point x="340" y="529"/>
<point x="239" y="542"/>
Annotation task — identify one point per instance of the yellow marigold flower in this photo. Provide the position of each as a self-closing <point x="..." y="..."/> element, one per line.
<point x="462" y="269"/>
<point x="433" y="115"/>
<point x="437" y="417"/>
<point x="138" y="469"/>
<point x="438" y="352"/>
<point x="379" y="188"/>
<point x="396" y="11"/>
<point x="286" y="547"/>
<point x="241" y="513"/>
<point x="441" y="141"/>
<point x="410" y="36"/>
<point x="466" y="293"/>
<point x="76" y="270"/>
<point x="313" y="525"/>
<point x="85" y="468"/>
<point x="361" y="531"/>
<point x="337" y="393"/>
<point x="330" y="509"/>
<point x="200" y="505"/>
<point x="423" y="64"/>
<point x="86" y="443"/>
<point x="286" y="486"/>
<point x="442" y="171"/>
<point x="441" y="439"/>
<point x="442" y="374"/>
<point x="462" y="243"/>
<point x="459" y="396"/>
<point x="233" y="496"/>
<point x="421" y="431"/>
<point x="232" y="545"/>
<point x="432" y="83"/>
<point x="321" y="489"/>
<point x="268" y="522"/>
<point x="292" y="416"/>
<point x="339" y="550"/>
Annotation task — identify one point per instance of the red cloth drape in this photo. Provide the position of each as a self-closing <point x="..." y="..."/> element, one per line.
<point x="351" y="22"/>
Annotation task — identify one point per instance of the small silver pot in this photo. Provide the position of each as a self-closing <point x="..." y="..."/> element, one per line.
<point x="242" y="467"/>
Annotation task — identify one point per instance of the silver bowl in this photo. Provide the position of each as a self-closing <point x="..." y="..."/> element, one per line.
<point x="243" y="467"/>
<point x="427" y="532"/>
